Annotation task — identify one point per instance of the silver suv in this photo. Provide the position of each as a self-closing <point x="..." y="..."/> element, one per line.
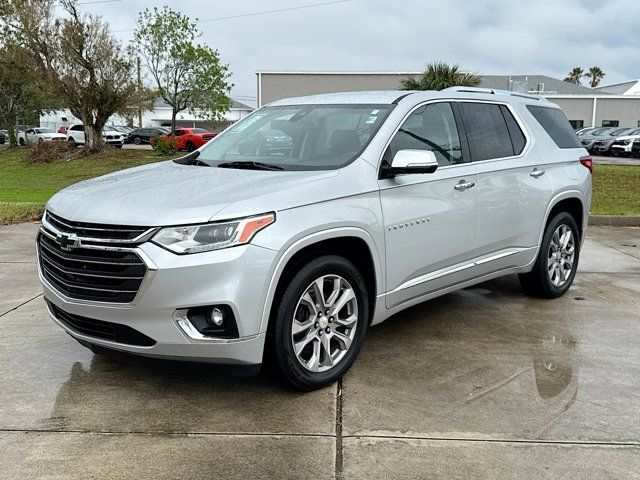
<point x="284" y="254"/>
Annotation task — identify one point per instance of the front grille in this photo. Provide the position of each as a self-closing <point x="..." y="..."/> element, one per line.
<point x="620" y="142"/>
<point x="91" y="274"/>
<point x="90" y="327"/>
<point x="95" y="231"/>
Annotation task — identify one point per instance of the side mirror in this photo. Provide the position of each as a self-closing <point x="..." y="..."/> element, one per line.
<point x="411" y="161"/>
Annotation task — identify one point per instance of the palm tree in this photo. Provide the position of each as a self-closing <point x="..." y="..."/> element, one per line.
<point x="595" y="74"/>
<point x="575" y="75"/>
<point x="440" y="75"/>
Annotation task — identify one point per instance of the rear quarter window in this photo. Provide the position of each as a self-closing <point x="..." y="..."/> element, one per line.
<point x="555" y="123"/>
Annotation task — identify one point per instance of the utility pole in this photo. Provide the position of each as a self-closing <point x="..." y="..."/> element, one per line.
<point x="140" y="100"/>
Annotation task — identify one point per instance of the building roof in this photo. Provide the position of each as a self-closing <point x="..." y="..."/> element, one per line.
<point x="531" y="83"/>
<point x="235" y="105"/>
<point x="618" y="88"/>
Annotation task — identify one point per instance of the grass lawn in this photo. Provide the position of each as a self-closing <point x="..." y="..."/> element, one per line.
<point x="616" y="190"/>
<point x="24" y="189"/>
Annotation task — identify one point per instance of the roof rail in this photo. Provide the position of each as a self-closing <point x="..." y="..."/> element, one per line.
<point x="493" y="91"/>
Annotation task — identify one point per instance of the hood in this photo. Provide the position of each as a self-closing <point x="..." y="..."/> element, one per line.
<point x="168" y="193"/>
<point x="628" y="137"/>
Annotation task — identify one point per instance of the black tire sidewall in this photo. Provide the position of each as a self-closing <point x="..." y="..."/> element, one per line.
<point x="548" y="287"/>
<point x="288" y="364"/>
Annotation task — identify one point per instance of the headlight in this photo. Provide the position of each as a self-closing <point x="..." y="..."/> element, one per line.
<point x="628" y="142"/>
<point x="212" y="236"/>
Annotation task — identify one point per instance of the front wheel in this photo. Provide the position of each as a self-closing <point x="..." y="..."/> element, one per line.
<point x="320" y="323"/>
<point x="557" y="261"/>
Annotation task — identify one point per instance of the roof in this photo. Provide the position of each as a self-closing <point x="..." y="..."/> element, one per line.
<point x="394" y="96"/>
<point x="235" y="105"/>
<point x="373" y="97"/>
<point x="617" y="88"/>
<point x="529" y="83"/>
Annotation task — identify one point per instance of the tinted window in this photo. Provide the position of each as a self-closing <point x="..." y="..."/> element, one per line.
<point x="556" y="125"/>
<point x="487" y="131"/>
<point x="179" y="133"/>
<point x="431" y="127"/>
<point x="518" y="139"/>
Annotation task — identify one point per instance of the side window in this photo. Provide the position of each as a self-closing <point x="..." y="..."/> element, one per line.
<point x="487" y="131"/>
<point x="180" y="133"/>
<point x="30" y="131"/>
<point x="556" y="125"/>
<point x="518" y="139"/>
<point x="431" y="127"/>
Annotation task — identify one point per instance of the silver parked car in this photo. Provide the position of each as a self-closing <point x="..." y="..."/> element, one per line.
<point x="383" y="200"/>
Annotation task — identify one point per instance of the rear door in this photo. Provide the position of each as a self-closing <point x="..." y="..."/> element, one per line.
<point x="513" y="190"/>
<point x="429" y="219"/>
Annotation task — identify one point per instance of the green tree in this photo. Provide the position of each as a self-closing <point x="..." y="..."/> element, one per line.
<point x="22" y="92"/>
<point x="440" y="75"/>
<point x="595" y="74"/>
<point x="77" y="57"/>
<point x="575" y="76"/>
<point x="188" y="75"/>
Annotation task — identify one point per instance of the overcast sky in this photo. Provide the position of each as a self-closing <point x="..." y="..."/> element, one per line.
<point x="484" y="36"/>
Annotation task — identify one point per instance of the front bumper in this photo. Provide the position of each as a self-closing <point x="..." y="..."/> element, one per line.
<point x="235" y="276"/>
<point x="621" y="149"/>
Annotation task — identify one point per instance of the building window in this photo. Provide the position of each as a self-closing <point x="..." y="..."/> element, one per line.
<point x="610" y="123"/>
<point x="639" y="123"/>
<point x="577" y="124"/>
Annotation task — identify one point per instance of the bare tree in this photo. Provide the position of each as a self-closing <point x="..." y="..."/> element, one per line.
<point x="78" y="58"/>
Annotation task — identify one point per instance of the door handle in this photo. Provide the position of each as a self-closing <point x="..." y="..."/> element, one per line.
<point x="537" y="173"/>
<point x="461" y="186"/>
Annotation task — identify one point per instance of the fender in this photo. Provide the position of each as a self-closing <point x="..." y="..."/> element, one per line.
<point x="308" y="240"/>
<point x="553" y="202"/>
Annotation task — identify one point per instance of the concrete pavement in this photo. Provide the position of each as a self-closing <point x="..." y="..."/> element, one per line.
<point x="481" y="383"/>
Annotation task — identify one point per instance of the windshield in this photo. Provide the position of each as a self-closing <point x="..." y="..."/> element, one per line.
<point x="303" y="137"/>
<point x="620" y="131"/>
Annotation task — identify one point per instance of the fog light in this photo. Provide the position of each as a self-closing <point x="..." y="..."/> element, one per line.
<point x="216" y="317"/>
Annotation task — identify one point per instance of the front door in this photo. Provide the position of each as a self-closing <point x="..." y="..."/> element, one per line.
<point x="429" y="219"/>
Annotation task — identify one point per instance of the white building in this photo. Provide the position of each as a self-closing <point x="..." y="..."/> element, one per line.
<point x="160" y="115"/>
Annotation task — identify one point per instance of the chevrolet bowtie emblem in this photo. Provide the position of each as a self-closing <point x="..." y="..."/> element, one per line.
<point x="68" y="242"/>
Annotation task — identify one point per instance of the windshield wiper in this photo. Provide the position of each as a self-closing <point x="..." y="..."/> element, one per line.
<point x="251" y="165"/>
<point x="191" y="159"/>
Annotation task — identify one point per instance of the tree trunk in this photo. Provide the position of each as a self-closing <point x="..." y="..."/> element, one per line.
<point x="93" y="135"/>
<point x="12" y="133"/>
<point x="172" y="137"/>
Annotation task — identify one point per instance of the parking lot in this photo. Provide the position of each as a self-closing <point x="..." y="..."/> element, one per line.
<point x="481" y="383"/>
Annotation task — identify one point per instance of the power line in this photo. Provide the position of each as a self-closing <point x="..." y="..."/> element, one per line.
<point x="253" y="14"/>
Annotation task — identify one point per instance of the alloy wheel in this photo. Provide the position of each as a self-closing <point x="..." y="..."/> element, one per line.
<point x="324" y="323"/>
<point x="560" y="260"/>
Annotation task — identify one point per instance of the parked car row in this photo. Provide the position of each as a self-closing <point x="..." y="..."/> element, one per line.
<point x="617" y="141"/>
<point x="188" y="139"/>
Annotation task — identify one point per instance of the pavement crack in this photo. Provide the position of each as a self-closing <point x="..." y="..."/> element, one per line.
<point x="339" y="460"/>
<point x="21" y="305"/>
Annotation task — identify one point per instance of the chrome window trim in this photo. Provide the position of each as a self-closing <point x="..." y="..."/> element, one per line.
<point x="516" y="116"/>
<point x="152" y="269"/>
<point x="144" y="236"/>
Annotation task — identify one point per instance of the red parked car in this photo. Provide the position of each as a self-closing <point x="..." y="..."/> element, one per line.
<point x="188" y="138"/>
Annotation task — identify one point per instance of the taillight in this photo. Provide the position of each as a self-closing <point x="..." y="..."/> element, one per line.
<point x="587" y="162"/>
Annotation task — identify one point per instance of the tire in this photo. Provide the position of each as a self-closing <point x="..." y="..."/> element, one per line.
<point x="137" y="140"/>
<point x="72" y="142"/>
<point x="22" y="142"/>
<point x="190" y="146"/>
<point x="553" y="281"/>
<point x="339" y="275"/>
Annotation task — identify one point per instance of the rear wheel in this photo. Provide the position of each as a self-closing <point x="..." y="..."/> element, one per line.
<point x="320" y="323"/>
<point x="557" y="261"/>
<point x="137" y="140"/>
<point x="22" y="142"/>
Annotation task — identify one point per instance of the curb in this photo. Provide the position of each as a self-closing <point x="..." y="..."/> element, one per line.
<point x="614" y="220"/>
